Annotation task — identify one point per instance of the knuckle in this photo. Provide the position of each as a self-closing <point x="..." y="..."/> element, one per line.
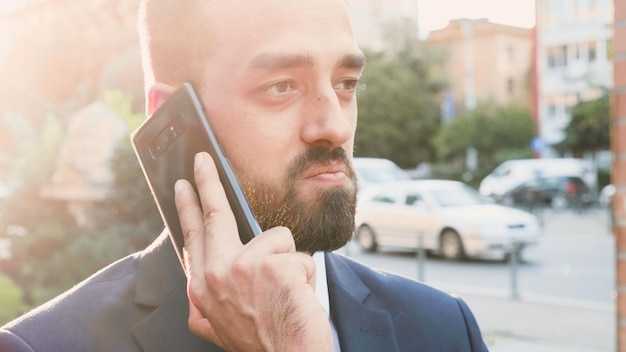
<point x="190" y="234"/>
<point x="214" y="278"/>
<point x="241" y="270"/>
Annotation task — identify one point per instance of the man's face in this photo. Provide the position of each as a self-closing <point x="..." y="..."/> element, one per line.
<point x="280" y="90"/>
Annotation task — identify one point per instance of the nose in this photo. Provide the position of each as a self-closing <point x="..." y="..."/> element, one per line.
<point x="329" y="121"/>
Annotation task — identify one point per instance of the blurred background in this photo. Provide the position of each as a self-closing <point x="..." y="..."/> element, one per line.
<point x="454" y="89"/>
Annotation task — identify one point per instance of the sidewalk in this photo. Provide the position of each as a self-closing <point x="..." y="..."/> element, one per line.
<point x="542" y="326"/>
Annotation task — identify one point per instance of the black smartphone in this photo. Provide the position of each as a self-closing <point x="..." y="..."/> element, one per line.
<point x="166" y="144"/>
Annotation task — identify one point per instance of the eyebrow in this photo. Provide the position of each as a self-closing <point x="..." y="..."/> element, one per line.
<point x="272" y="62"/>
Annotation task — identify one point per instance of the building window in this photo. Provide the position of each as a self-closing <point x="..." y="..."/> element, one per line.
<point x="551" y="57"/>
<point x="510" y="86"/>
<point x="591" y="52"/>
<point x="557" y="56"/>
<point x="551" y="109"/>
<point x="560" y="104"/>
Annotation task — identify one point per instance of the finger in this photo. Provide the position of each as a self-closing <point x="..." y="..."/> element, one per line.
<point x="273" y="241"/>
<point x="190" y="216"/>
<point x="308" y="265"/>
<point x="201" y="327"/>
<point x="219" y="222"/>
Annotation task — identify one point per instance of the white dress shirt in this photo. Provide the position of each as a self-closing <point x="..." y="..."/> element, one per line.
<point x="321" y="291"/>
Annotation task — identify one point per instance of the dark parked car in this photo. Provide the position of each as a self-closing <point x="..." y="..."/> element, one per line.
<point x="557" y="192"/>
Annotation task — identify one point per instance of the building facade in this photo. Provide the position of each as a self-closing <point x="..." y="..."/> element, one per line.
<point x="573" y="61"/>
<point x="485" y="60"/>
<point x="618" y="178"/>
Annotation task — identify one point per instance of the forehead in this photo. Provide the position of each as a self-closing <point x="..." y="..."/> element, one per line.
<point x="246" y="23"/>
<point x="273" y="9"/>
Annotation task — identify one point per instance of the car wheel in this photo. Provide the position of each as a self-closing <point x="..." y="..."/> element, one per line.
<point x="366" y="238"/>
<point x="451" y="246"/>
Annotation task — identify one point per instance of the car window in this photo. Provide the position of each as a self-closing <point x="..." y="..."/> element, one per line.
<point x="554" y="182"/>
<point x="502" y="170"/>
<point x="580" y="184"/>
<point x="455" y="197"/>
<point x="413" y="198"/>
<point x="533" y="183"/>
<point x="385" y="197"/>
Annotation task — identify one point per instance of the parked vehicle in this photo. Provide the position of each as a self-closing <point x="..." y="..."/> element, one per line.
<point x="373" y="171"/>
<point x="513" y="173"/>
<point x="556" y="192"/>
<point x="448" y="217"/>
<point x="606" y="195"/>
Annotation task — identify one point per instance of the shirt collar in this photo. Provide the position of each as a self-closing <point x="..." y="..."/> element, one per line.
<point x="321" y="285"/>
<point x="321" y="291"/>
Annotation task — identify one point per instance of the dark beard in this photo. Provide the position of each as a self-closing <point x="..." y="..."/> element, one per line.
<point x="325" y="223"/>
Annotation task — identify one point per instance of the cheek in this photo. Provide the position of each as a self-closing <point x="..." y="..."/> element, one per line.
<point x="261" y="152"/>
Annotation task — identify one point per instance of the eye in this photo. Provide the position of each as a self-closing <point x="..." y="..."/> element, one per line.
<point x="279" y="88"/>
<point x="348" y="85"/>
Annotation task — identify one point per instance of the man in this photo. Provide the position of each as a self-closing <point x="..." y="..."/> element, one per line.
<point x="278" y="79"/>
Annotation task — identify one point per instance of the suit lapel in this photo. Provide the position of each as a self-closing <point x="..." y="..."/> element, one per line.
<point x="360" y="327"/>
<point x="161" y="290"/>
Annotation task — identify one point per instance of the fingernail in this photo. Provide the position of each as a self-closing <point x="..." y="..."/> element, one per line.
<point x="197" y="161"/>
<point x="178" y="186"/>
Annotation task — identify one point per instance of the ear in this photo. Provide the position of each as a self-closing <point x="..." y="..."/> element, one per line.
<point x="157" y="95"/>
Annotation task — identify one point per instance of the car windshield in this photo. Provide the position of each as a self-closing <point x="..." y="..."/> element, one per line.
<point x="457" y="197"/>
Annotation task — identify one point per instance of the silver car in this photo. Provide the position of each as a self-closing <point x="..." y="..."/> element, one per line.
<point x="446" y="217"/>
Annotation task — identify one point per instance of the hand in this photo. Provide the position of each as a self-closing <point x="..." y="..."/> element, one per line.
<point x="257" y="297"/>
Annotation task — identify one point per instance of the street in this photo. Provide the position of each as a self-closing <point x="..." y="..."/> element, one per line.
<point x="574" y="261"/>
<point x="565" y="282"/>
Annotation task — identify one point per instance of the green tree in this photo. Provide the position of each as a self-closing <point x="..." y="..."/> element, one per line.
<point x="49" y="253"/>
<point x="398" y="111"/>
<point x="588" y="129"/>
<point x="497" y="133"/>
<point x="33" y="225"/>
<point x="128" y="219"/>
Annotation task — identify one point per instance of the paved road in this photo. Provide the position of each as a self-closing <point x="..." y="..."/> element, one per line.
<point x="565" y="287"/>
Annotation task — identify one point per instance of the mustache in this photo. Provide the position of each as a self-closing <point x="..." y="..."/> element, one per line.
<point x="318" y="155"/>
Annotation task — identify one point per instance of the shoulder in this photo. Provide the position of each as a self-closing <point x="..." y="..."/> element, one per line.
<point x="382" y="282"/>
<point x="419" y="312"/>
<point x="73" y="314"/>
<point x="104" y="306"/>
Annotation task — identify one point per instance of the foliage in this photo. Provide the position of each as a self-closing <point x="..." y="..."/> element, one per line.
<point x="49" y="253"/>
<point x="498" y="133"/>
<point x="31" y="223"/>
<point x="11" y="298"/>
<point x="128" y="218"/>
<point x="589" y="127"/>
<point x="398" y="113"/>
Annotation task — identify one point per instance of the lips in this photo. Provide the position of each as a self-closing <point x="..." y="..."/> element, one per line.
<point x="331" y="168"/>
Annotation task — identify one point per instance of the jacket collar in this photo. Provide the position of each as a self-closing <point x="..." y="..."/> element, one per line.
<point x="161" y="290"/>
<point x="359" y="326"/>
<point x="159" y="272"/>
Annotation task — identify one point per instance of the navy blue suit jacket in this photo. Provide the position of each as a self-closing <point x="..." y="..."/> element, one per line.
<point x="140" y="304"/>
